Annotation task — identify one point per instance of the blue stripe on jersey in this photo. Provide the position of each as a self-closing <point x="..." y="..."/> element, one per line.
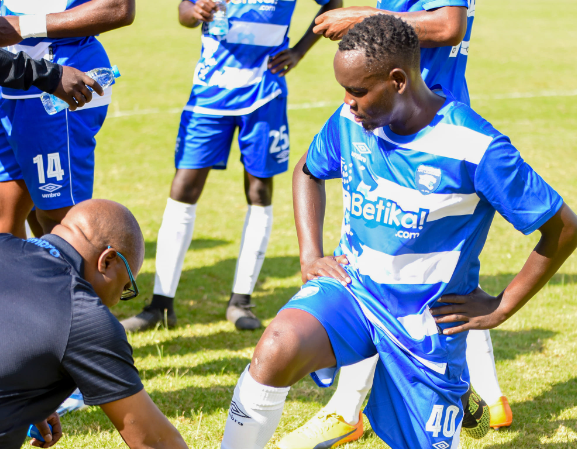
<point x="83" y="53"/>
<point x="441" y="65"/>
<point x="231" y="76"/>
<point x="417" y="209"/>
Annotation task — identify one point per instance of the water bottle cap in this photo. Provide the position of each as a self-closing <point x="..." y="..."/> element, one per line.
<point x="115" y="71"/>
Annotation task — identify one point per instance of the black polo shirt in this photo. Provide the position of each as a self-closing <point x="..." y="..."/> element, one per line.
<point x="55" y="335"/>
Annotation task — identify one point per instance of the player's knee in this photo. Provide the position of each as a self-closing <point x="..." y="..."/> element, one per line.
<point x="188" y="184"/>
<point x="259" y="192"/>
<point x="276" y="360"/>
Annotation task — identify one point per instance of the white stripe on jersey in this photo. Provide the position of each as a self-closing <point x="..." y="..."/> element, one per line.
<point x="439" y="205"/>
<point x="232" y="77"/>
<point x="445" y="140"/>
<point x="235" y="112"/>
<point x="253" y="33"/>
<point x="36" y="6"/>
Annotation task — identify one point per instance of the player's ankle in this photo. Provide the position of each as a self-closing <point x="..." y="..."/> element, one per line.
<point x="161" y="302"/>
<point x="239" y="299"/>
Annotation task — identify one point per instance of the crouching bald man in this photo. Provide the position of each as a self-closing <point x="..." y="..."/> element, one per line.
<point x="58" y="334"/>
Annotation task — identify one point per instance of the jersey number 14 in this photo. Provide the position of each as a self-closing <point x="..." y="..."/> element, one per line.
<point x="54" y="167"/>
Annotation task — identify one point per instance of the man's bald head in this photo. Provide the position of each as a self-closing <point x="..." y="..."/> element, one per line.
<point x="93" y="225"/>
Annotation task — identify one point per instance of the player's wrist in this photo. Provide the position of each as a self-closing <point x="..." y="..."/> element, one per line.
<point x="33" y="25"/>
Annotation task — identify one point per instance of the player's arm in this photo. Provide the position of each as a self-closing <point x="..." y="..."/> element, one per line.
<point x="141" y="424"/>
<point x="192" y="14"/>
<point x="286" y="60"/>
<point x="439" y="27"/>
<point x="309" y="201"/>
<point x="89" y="19"/>
<point x="482" y="311"/>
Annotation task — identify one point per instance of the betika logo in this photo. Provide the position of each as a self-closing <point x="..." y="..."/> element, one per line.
<point x="389" y="213"/>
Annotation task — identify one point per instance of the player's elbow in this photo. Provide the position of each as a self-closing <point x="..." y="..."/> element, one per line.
<point x="455" y="27"/>
<point x="125" y="13"/>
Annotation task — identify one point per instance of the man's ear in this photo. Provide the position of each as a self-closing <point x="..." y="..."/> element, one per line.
<point x="105" y="259"/>
<point x="399" y="80"/>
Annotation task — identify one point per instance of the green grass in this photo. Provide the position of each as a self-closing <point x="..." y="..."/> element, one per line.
<point x="518" y="46"/>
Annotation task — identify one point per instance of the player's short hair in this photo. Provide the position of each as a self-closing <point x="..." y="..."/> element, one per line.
<point x="386" y="40"/>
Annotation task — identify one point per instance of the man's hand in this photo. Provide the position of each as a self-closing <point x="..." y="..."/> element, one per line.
<point x="328" y="266"/>
<point x="73" y="88"/>
<point x="336" y="23"/>
<point x="203" y="10"/>
<point x="285" y="61"/>
<point x="50" y="438"/>
<point x="477" y="310"/>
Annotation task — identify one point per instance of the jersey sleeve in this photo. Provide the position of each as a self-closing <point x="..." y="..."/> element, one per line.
<point x="322" y="2"/>
<point x="433" y="4"/>
<point x="324" y="156"/>
<point x="513" y="188"/>
<point x="98" y="356"/>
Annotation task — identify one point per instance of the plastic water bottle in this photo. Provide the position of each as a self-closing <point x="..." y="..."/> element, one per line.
<point x="74" y="402"/>
<point x="219" y="24"/>
<point x="104" y="76"/>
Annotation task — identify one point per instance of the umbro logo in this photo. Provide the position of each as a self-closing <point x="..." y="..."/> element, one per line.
<point x="441" y="445"/>
<point x="362" y="147"/>
<point x="50" y="187"/>
<point x="236" y="410"/>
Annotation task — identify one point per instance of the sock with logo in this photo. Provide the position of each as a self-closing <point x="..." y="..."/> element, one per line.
<point x="254" y="414"/>
<point x="255" y="237"/>
<point x="174" y="238"/>
<point x="355" y="382"/>
<point x="482" y="366"/>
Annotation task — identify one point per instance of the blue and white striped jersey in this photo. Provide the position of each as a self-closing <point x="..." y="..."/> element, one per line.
<point x="83" y="53"/>
<point x="444" y="66"/>
<point x="231" y="77"/>
<point x="417" y="210"/>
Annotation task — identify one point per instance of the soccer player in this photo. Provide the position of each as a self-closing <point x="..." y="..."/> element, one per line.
<point x="238" y="83"/>
<point x="445" y="30"/>
<point x="48" y="161"/>
<point x="422" y="176"/>
<point x="58" y="332"/>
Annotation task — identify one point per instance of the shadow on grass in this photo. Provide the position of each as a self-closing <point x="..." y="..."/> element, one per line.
<point x="230" y="365"/>
<point x="495" y="284"/>
<point x="509" y="345"/>
<point x="538" y="416"/>
<point x="203" y="292"/>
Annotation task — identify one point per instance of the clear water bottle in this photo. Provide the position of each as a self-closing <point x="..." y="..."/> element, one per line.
<point x="104" y="76"/>
<point x="219" y="24"/>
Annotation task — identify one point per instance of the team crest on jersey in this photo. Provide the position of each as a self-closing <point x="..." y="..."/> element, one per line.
<point x="427" y="179"/>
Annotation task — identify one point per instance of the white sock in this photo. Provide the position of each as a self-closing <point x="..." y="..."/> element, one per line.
<point x="482" y="366"/>
<point x="255" y="237"/>
<point x="355" y="382"/>
<point x="254" y="414"/>
<point x="174" y="238"/>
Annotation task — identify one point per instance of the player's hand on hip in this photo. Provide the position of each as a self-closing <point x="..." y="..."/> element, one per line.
<point x="203" y="10"/>
<point x="73" y="88"/>
<point x="336" y="23"/>
<point x="50" y="437"/>
<point x="477" y="310"/>
<point x="329" y="266"/>
<point x="284" y="61"/>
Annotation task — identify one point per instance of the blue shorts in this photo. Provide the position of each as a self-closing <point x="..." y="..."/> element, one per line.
<point x="263" y="137"/>
<point x="54" y="154"/>
<point x="411" y="406"/>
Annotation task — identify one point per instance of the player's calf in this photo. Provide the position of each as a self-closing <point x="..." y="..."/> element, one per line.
<point x="293" y="345"/>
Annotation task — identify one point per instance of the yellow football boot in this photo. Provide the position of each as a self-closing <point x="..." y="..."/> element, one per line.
<point x="501" y="414"/>
<point x="324" y="430"/>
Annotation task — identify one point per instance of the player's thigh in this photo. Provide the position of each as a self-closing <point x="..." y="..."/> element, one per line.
<point x="54" y="152"/>
<point x="413" y="405"/>
<point x="15" y="201"/>
<point x="203" y="141"/>
<point x="349" y="332"/>
<point x="263" y="139"/>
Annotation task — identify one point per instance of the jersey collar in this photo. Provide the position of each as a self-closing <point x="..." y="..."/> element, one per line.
<point x="67" y="252"/>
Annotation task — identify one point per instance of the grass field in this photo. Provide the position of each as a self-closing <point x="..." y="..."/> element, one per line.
<point x="521" y="76"/>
